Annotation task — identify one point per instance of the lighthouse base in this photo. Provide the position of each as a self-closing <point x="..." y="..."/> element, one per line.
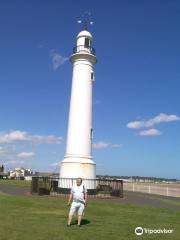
<point x="72" y="168"/>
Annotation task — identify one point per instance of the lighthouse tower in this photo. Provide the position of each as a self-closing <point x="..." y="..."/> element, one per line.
<point x="78" y="161"/>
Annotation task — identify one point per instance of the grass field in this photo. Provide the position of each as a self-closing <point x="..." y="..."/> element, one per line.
<point x="44" y="218"/>
<point x="18" y="183"/>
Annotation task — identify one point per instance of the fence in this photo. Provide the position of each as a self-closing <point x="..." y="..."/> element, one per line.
<point x="61" y="186"/>
<point x="153" y="188"/>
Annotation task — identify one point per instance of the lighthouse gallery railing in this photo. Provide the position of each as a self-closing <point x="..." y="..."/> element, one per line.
<point x="81" y="48"/>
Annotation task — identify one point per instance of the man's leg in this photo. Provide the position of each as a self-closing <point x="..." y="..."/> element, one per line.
<point x="79" y="219"/>
<point x="69" y="220"/>
<point x="80" y="213"/>
<point x="71" y="213"/>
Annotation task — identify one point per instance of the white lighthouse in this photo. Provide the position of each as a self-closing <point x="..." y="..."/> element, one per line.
<point x="78" y="160"/>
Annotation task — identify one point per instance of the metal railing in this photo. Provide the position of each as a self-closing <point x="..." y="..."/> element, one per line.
<point x="82" y="48"/>
<point x="95" y="187"/>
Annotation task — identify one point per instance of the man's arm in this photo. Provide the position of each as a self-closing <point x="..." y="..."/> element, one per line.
<point x="70" y="199"/>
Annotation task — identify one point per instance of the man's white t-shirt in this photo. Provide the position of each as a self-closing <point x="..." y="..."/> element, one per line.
<point x="78" y="193"/>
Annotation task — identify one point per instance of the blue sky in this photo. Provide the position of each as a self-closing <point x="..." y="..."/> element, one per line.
<point x="136" y="92"/>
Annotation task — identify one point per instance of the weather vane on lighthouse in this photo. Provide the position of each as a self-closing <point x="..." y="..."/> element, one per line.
<point x="86" y="20"/>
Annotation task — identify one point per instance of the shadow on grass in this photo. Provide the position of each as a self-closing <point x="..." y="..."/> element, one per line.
<point x="83" y="222"/>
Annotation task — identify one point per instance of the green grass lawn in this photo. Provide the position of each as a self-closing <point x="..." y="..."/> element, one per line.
<point x="44" y="218"/>
<point x="18" y="183"/>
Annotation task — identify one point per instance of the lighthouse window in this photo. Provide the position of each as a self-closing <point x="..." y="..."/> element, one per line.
<point x="92" y="76"/>
<point x="91" y="133"/>
<point x="87" y="42"/>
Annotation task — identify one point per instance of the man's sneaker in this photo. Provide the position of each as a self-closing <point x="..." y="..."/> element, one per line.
<point x="68" y="225"/>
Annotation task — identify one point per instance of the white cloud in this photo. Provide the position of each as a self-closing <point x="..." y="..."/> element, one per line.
<point x="150" y="132"/>
<point x="162" y="117"/>
<point x="26" y="154"/>
<point x="100" y="145"/>
<point x="14" y="162"/>
<point x="3" y="151"/>
<point x="115" y="145"/>
<point x="56" y="164"/>
<point x="135" y="124"/>
<point x="19" y="136"/>
<point x="45" y="139"/>
<point x="103" y="145"/>
<point x="96" y="102"/>
<point x="57" y="59"/>
<point x="13" y="136"/>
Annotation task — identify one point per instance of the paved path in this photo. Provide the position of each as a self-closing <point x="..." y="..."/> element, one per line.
<point x="150" y="200"/>
<point x="129" y="197"/>
<point x="14" y="190"/>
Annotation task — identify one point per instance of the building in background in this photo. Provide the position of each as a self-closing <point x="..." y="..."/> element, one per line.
<point x="21" y="173"/>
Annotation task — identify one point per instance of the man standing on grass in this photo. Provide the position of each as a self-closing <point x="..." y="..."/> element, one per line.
<point x="79" y="196"/>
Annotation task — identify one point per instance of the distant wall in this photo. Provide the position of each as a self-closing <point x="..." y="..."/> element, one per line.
<point x="154" y="188"/>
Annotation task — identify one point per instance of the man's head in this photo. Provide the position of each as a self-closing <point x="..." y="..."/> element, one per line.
<point x="79" y="181"/>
